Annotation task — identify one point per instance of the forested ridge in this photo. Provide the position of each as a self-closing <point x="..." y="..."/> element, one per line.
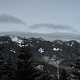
<point x="25" y="68"/>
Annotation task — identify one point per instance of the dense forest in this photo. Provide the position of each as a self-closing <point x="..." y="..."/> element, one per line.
<point x="24" y="67"/>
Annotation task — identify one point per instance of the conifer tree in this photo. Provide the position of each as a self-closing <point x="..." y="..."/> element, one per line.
<point x="46" y="76"/>
<point x="9" y="69"/>
<point x="25" y="65"/>
<point x="1" y="56"/>
<point x="1" y="62"/>
<point x="76" y="69"/>
<point x="64" y="75"/>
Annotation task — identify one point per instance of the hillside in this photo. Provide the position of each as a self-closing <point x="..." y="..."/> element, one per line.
<point x="48" y="54"/>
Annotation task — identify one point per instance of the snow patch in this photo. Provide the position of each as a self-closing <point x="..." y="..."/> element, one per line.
<point x="13" y="51"/>
<point x="68" y="44"/>
<point x="55" y="49"/>
<point x="40" y="67"/>
<point x="16" y="39"/>
<point x="41" y="50"/>
<point x="59" y="42"/>
<point x="72" y="43"/>
<point x="1" y="42"/>
<point x="23" y="45"/>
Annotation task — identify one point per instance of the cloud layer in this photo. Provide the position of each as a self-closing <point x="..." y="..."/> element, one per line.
<point x="52" y="26"/>
<point x="10" y="19"/>
<point x="4" y="18"/>
<point x="47" y="36"/>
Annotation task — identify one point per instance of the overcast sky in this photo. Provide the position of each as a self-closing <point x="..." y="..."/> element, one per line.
<point x="41" y="17"/>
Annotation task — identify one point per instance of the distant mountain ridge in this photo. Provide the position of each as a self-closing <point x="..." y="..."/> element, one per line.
<point x="44" y="52"/>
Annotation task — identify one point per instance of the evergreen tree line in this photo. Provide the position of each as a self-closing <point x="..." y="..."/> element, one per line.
<point x="24" y="68"/>
<point x="72" y="74"/>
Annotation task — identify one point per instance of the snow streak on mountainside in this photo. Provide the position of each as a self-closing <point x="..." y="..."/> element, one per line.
<point x="16" y="39"/>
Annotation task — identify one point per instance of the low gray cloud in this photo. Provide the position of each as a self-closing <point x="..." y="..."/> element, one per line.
<point x="52" y="26"/>
<point x="4" y="18"/>
<point x="47" y="36"/>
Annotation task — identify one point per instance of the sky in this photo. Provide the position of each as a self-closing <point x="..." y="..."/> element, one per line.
<point x="50" y="19"/>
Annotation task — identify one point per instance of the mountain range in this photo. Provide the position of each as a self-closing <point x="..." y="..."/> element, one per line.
<point x="49" y="54"/>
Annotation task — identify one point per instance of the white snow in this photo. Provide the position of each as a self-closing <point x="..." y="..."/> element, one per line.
<point x="23" y="45"/>
<point x="68" y="44"/>
<point x="1" y="42"/>
<point x="55" y="49"/>
<point x="59" y="42"/>
<point x="41" y="50"/>
<point x="15" y="39"/>
<point x="40" y="67"/>
<point x="72" y="43"/>
<point x="13" y="51"/>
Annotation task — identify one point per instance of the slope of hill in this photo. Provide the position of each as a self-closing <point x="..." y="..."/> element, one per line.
<point x="47" y="53"/>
